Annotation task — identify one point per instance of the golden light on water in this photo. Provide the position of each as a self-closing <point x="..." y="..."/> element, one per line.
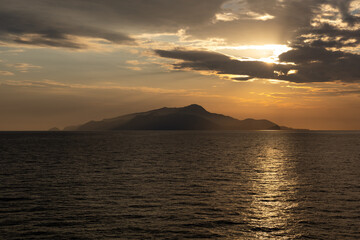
<point x="273" y="193"/>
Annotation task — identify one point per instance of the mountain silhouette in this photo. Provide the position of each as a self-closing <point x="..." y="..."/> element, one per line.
<point x="192" y="117"/>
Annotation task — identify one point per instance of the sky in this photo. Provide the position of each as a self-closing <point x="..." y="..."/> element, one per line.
<point x="293" y="62"/>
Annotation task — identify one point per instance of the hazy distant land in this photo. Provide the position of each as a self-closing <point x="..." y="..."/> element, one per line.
<point x="192" y="117"/>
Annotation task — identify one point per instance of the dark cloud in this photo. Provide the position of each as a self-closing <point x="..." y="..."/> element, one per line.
<point x="325" y="52"/>
<point x="304" y="55"/>
<point x="58" y="23"/>
<point x="327" y="36"/>
<point x="344" y="8"/>
<point x="316" y="64"/>
<point x="222" y="64"/>
<point x="159" y="14"/>
<point x="26" y="28"/>
<point x="318" y="53"/>
<point x="312" y="65"/>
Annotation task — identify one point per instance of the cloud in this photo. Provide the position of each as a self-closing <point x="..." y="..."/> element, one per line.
<point x="157" y="14"/>
<point x="315" y="64"/>
<point x="311" y="65"/>
<point x="133" y="62"/>
<point x="134" y="68"/>
<point x="221" y="64"/>
<point x="49" y="24"/>
<point x="6" y="73"/>
<point x="43" y="23"/>
<point x="274" y="21"/>
<point x="66" y="88"/>
<point x="344" y="8"/>
<point x="29" y="28"/>
<point x="23" y="67"/>
<point x="260" y="21"/>
<point x="327" y="51"/>
<point x="323" y="34"/>
<point x="48" y="84"/>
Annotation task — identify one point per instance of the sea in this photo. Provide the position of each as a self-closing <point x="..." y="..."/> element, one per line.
<point x="180" y="185"/>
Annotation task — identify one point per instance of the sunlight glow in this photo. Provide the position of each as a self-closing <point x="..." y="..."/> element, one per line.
<point x="261" y="17"/>
<point x="292" y="71"/>
<point x="225" y="17"/>
<point x="276" y="49"/>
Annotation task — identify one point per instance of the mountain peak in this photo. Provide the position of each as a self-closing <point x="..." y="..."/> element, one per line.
<point x="195" y="108"/>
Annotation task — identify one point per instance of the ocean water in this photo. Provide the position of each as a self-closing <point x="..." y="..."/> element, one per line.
<point x="180" y="185"/>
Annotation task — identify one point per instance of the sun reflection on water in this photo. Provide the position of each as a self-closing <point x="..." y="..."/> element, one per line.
<point x="274" y="194"/>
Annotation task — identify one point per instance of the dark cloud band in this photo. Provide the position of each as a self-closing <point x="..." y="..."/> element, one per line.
<point x="311" y="65"/>
<point x="57" y="23"/>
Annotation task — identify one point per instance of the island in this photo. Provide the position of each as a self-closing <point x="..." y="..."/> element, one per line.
<point x="192" y="117"/>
